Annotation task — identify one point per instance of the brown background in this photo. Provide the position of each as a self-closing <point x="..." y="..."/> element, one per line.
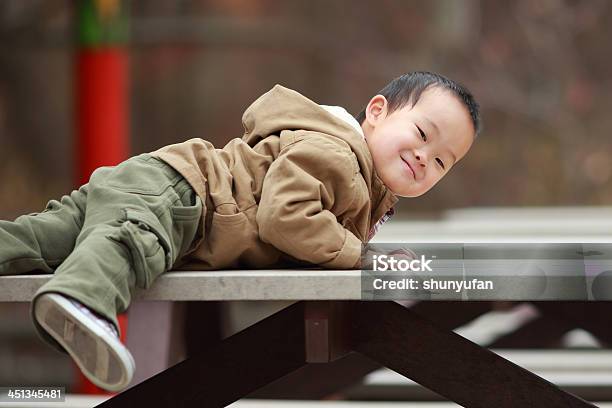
<point x="540" y="69"/>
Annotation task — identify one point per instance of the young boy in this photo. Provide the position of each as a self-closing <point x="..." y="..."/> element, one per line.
<point x="306" y="184"/>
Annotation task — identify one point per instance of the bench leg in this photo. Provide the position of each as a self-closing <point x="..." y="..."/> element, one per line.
<point x="447" y="363"/>
<point x="317" y="381"/>
<point x="223" y="374"/>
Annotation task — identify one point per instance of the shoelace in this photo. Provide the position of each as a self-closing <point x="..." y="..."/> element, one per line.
<point x="108" y="326"/>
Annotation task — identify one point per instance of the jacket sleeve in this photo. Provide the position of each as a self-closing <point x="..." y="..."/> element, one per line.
<point x="310" y="181"/>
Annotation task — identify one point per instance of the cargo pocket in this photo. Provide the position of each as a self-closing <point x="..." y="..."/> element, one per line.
<point x="147" y="242"/>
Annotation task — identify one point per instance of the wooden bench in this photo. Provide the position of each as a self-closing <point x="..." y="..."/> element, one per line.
<point x="327" y="324"/>
<point x="283" y="284"/>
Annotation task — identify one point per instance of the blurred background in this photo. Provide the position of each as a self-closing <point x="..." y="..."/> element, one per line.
<point x="538" y="68"/>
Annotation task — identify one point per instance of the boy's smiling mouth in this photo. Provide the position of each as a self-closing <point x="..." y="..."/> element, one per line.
<point x="409" y="168"/>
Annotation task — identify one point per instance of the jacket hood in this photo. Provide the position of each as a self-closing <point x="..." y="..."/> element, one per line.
<point x="282" y="108"/>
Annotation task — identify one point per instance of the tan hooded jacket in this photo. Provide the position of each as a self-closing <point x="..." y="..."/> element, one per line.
<point x="299" y="188"/>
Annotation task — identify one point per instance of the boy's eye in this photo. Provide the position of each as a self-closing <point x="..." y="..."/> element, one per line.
<point x="423" y="135"/>
<point x="440" y="162"/>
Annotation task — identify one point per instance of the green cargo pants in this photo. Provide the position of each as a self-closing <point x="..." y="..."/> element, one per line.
<point x="124" y="228"/>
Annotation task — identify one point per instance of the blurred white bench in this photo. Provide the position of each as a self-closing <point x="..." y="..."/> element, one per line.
<point x="86" y="401"/>
<point x="490" y="224"/>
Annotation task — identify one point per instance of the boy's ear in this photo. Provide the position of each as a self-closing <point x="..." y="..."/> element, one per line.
<point x="376" y="109"/>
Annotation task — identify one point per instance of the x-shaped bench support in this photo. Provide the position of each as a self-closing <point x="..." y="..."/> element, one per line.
<point x="324" y="331"/>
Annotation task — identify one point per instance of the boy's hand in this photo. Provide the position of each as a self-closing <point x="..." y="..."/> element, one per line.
<point x="403" y="253"/>
<point x="399" y="254"/>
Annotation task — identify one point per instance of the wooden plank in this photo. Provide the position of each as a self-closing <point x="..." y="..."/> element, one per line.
<point x="275" y="284"/>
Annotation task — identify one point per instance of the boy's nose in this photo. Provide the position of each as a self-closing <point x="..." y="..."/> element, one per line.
<point x="421" y="159"/>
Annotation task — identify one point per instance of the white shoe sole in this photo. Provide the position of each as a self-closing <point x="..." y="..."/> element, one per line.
<point x="102" y="358"/>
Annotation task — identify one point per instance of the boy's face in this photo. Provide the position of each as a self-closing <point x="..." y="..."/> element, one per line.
<point x="415" y="146"/>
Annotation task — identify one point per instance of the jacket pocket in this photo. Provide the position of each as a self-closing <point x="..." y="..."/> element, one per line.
<point x="229" y="219"/>
<point x="229" y="236"/>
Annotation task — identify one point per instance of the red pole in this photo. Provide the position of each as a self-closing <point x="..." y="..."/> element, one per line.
<point x="102" y="109"/>
<point x="102" y="104"/>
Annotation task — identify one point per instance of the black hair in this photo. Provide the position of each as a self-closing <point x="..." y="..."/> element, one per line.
<point x="407" y="89"/>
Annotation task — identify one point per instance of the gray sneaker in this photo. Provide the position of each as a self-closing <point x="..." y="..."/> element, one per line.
<point x="92" y="341"/>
